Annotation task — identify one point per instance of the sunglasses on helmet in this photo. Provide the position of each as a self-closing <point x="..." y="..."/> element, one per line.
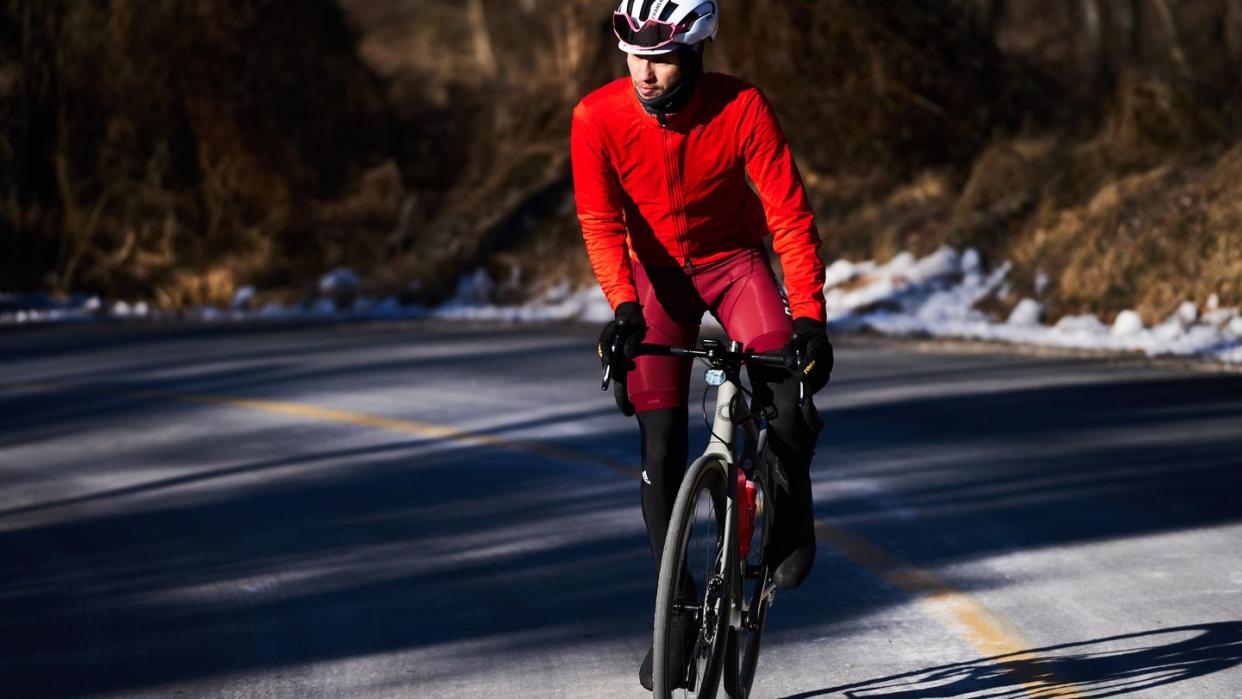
<point x="651" y="34"/>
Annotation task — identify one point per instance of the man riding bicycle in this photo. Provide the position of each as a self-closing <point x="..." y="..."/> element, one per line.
<point x="672" y="229"/>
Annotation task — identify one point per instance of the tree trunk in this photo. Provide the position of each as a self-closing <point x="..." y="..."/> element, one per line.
<point x="1088" y="12"/>
<point x="1233" y="29"/>
<point x="996" y="15"/>
<point x="1171" y="37"/>
<point x="483" y="52"/>
<point x="1128" y="15"/>
<point x="572" y="57"/>
<point x="40" y="92"/>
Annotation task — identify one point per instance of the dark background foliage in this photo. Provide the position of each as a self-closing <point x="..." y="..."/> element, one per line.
<point x="176" y="150"/>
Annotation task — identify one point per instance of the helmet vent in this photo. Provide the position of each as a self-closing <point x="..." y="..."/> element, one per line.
<point x="668" y="11"/>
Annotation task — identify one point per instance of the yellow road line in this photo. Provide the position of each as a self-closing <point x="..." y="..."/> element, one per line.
<point x="986" y="632"/>
<point x="316" y="413"/>
<point x="413" y="427"/>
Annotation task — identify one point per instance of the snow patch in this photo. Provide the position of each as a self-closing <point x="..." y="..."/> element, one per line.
<point x="559" y="302"/>
<point x="936" y="296"/>
<point x="339" y="280"/>
<point x="1127" y="324"/>
<point x="1042" y="282"/>
<point x="839" y="273"/>
<point x="243" y="297"/>
<point x="1026" y="313"/>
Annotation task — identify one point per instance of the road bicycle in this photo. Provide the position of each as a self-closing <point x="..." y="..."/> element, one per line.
<point x="715" y="586"/>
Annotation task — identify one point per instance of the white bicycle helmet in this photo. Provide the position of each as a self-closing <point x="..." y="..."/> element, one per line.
<point x="654" y="27"/>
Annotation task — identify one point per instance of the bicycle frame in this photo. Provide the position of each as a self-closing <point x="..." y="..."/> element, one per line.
<point x="728" y="581"/>
<point x="746" y="607"/>
<point x="731" y="412"/>
<point x="720" y="447"/>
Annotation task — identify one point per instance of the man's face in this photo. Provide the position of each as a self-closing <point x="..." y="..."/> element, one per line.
<point x="654" y="75"/>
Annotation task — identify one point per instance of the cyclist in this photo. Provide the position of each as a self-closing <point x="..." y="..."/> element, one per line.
<point x="672" y="230"/>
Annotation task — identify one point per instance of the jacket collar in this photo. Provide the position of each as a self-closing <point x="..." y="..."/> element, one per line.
<point x="679" y="121"/>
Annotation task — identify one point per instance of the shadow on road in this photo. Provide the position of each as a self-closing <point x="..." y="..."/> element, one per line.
<point x="956" y="477"/>
<point x="87" y="390"/>
<point x="1105" y="667"/>
<point x="363" y="553"/>
<point x="318" y="551"/>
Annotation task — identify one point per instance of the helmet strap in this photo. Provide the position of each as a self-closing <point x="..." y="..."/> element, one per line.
<point x="677" y="98"/>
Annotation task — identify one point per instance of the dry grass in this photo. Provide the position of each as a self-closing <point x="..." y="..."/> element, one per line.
<point x="158" y="151"/>
<point x="1139" y="209"/>
<point x="1148" y="240"/>
<point x="416" y="139"/>
<point x="1106" y="236"/>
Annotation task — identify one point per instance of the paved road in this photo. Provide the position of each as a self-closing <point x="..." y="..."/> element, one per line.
<point x="451" y="511"/>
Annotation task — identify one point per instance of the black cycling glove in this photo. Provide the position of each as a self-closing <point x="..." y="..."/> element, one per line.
<point x="813" y="353"/>
<point x="625" y="333"/>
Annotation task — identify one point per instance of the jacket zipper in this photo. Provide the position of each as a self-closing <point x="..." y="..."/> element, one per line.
<point x="674" y="186"/>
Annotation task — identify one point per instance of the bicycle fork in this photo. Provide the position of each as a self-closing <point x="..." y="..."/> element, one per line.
<point x="721" y="445"/>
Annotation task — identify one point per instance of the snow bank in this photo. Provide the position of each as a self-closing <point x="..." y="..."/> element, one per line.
<point x="16" y="309"/>
<point x="936" y="296"/>
<point x="560" y="302"/>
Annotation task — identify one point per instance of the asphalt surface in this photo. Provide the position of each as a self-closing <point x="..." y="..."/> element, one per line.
<point x="449" y="511"/>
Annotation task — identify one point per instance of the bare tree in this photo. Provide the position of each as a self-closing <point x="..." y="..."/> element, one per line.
<point x="486" y="56"/>
<point x="1233" y="29"/>
<point x="1088" y="11"/>
<point x="1127" y="18"/>
<point x="993" y="14"/>
<point x="1170" y="36"/>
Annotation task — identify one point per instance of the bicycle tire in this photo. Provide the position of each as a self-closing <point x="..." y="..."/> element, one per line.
<point x="707" y="560"/>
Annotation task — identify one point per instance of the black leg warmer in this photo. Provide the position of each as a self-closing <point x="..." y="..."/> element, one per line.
<point x="664" y="453"/>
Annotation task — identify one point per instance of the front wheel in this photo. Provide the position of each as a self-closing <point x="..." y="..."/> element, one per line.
<point x="693" y="597"/>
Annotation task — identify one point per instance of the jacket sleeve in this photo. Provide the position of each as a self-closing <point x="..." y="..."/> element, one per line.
<point x="788" y="211"/>
<point x="600" y="203"/>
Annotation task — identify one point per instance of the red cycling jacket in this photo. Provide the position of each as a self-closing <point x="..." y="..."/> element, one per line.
<point x="676" y="194"/>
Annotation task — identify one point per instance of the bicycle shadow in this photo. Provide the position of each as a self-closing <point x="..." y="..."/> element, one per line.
<point x="1103" y="667"/>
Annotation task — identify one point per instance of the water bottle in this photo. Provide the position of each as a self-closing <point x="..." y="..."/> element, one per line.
<point x="746" y="513"/>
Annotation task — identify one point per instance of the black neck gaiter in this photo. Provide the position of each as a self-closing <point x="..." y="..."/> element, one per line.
<point x="677" y="98"/>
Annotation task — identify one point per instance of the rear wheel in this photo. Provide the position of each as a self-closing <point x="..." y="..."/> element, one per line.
<point x="695" y="587"/>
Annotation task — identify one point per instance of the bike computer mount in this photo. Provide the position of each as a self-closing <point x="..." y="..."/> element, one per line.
<point x="717" y="355"/>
